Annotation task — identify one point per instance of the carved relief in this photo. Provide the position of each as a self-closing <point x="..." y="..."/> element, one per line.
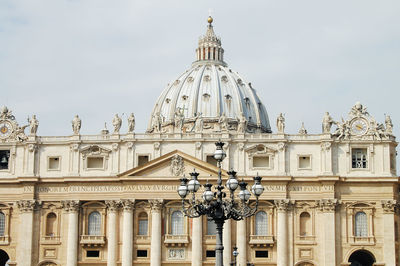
<point x="32" y="147"/>
<point x="325" y="146"/>
<point x="282" y="204"/>
<point x="327" y="205"/>
<point x="176" y="254"/>
<point x="156" y="145"/>
<point x="177" y="166"/>
<point x="95" y="150"/>
<point x="70" y="205"/>
<point x="281" y="146"/>
<point x="9" y="128"/>
<point x="26" y="205"/>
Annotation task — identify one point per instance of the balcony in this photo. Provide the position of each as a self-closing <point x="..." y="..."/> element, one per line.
<point x="50" y="240"/>
<point x="93" y="241"/>
<point x="4" y="240"/>
<point x="261" y="241"/>
<point x="142" y="239"/>
<point x="209" y="239"/>
<point x="362" y="240"/>
<point x="176" y="240"/>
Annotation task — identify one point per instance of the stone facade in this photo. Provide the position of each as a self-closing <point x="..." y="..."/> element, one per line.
<point x="111" y="199"/>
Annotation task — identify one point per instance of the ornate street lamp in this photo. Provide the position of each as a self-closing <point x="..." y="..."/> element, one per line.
<point x="215" y="204"/>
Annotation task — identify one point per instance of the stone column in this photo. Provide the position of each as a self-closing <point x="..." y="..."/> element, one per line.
<point x="241" y="242"/>
<point x="112" y="240"/>
<point x="24" y="249"/>
<point x="127" y="232"/>
<point x="197" y="242"/>
<point x="389" y="248"/>
<point x="328" y="207"/>
<point x="227" y="241"/>
<point x="155" y="249"/>
<point x="72" y="208"/>
<point x="282" y="237"/>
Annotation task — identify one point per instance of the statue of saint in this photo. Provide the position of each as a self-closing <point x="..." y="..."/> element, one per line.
<point x="242" y="124"/>
<point x="179" y="119"/>
<point x="327" y="122"/>
<point x="117" y="122"/>
<point x="76" y="125"/>
<point x="280" y="123"/>
<point x="131" y="123"/>
<point x="33" y="124"/>
<point x="198" y="123"/>
<point x="389" y="125"/>
<point x="157" y="122"/>
<point x="223" y="122"/>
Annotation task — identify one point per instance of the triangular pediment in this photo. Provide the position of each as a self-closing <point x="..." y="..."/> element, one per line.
<point x="173" y="165"/>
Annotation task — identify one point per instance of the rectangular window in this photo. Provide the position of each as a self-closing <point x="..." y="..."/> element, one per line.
<point x="304" y="162"/>
<point x="54" y="163"/>
<point x="95" y="163"/>
<point x="359" y="158"/>
<point x="141" y="253"/>
<point x="93" y="253"/>
<point x="143" y="225"/>
<point x="4" y="159"/>
<point x="261" y="162"/>
<point x="261" y="253"/>
<point x="143" y="159"/>
<point x="211" y="160"/>
<point x="210" y="253"/>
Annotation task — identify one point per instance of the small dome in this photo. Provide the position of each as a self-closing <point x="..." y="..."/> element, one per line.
<point x="212" y="91"/>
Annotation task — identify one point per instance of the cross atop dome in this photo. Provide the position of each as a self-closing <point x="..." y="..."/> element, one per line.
<point x="210" y="48"/>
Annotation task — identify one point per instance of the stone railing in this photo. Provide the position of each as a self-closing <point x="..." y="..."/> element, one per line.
<point x="4" y="240"/>
<point x="51" y="240"/>
<point x="176" y="240"/>
<point x="90" y="240"/>
<point x="142" y="239"/>
<point x="305" y="239"/>
<point x="209" y="239"/>
<point x="259" y="241"/>
<point x="362" y="240"/>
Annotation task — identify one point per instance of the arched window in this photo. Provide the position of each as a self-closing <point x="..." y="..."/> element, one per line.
<point x="2" y="224"/>
<point x="177" y="223"/>
<point x="361" y="225"/>
<point x="51" y="224"/>
<point x="305" y="224"/>
<point x="261" y="224"/>
<point x="94" y="223"/>
<point x="143" y="224"/>
<point x="211" y="227"/>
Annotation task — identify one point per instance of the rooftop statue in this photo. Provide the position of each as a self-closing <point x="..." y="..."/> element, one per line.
<point x="117" y="122"/>
<point x="389" y="125"/>
<point x="280" y="123"/>
<point x="131" y="123"/>
<point x="242" y="124"/>
<point x="327" y="122"/>
<point x="223" y="122"/>
<point x="76" y="124"/>
<point x="33" y="124"/>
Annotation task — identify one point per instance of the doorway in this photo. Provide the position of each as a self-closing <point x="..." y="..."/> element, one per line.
<point x="4" y="258"/>
<point x="361" y="258"/>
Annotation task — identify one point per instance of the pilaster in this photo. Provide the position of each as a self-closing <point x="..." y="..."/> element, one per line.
<point x="282" y="237"/>
<point x="24" y="250"/>
<point x="155" y="250"/>
<point x="72" y="208"/>
<point x="112" y="240"/>
<point x="127" y="232"/>
<point x="389" y="248"/>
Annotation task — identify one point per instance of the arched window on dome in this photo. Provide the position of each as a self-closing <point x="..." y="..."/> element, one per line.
<point x="361" y="225"/>
<point x="177" y="223"/>
<point x="305" y="224"/>
<point x="143" y="222"/>
<point x="2" y="224"/>
<point x="51" y="219"/>
<point x="94" y="224"/>
<point x="261" y="226"/>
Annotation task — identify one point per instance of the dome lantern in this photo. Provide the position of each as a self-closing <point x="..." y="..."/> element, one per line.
<point x="210" y="45"/>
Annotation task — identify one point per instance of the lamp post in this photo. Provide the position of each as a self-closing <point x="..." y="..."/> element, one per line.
<point x="235" y="253"/>
<point x="215" y="204"/>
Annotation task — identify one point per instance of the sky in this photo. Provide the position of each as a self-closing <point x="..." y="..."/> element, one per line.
<point x="96" y="58"/>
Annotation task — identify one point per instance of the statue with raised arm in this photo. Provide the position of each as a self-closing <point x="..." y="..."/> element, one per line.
<point x="76" y="125"/>
<point x="131" y="123"/>
<point x="389" y="125"/>
<point x="242" y="124"/>
<point x="33" y="125"/>
<point x="117" y="122"/>
<point x="280" y="123"/>
<point x="327" y="122"/>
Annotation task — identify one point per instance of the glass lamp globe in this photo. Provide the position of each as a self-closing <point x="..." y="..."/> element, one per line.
<point x="182" y="189"/>
<point x="219" y="153"/>
<point x="257" y="188"/>
<point x="193" y="184"/>
<point x="208" y="195"/>
<point x="232" y="183"/>
<point x="244" y="194"/>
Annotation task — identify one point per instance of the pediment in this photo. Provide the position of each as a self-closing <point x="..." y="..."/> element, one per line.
<point x="173" y="165"/>
<point x="260" y="149"/>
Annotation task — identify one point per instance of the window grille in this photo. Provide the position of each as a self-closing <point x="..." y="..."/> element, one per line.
<point x="261" y="224"/>
<point x="2" y="223"/>
<point x="177" y="223"/>
<point x="359" y="158"/>
<point x="211" y="227"/>
<point x="94" y="224"/>
<point x="361" y="225"/>
<point x="143" y="224"/>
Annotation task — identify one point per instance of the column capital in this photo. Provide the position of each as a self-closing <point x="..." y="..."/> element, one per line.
<point x="156" y="204"/>
<point x="27" y="205"/>
<point x="282" y="204"/>
<point x="389" y="206"/>
<point x="113" y="205"/>
<point x="70" y="205"/>
<point x="327" y="205"/>
<point x="128" y="205"/>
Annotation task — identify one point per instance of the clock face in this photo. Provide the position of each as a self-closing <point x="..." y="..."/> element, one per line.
<point x="5" y="129"/>
<point x="359" y="127"/>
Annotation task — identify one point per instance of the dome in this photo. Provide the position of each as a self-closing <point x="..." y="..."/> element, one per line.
<point x="209" y="97"/>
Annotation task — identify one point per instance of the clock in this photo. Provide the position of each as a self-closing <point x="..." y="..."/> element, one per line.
<point x="359" y="127"/>
<point x="6" y="129"/>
